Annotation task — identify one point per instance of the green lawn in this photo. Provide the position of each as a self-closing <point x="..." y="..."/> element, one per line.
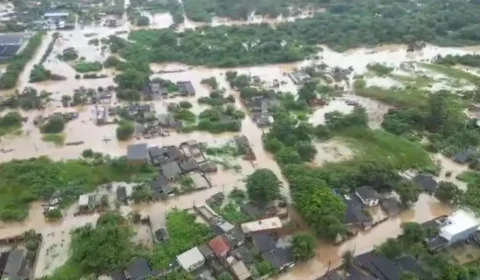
<point x="57" y="138"/>
<point x="452" y="72"/>
<point x="380" y="145"/>
<point x="398" y="97"/>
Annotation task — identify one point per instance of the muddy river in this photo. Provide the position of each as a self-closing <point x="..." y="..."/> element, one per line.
<point x="103" y="138"/>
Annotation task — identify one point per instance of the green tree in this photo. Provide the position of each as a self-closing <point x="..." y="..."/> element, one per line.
<point x="225" y="276"/>
<point x="105" y="247"/>
<point x="263" y="186"/>
<point x="348" y="259"/>
<point x="406" y="275"/>
<point x="413" y="232"/>
<point x="265" y="268"/>
<point x="143" y="21"/>
<point x="55" y="124"/>
<point x="447" y="192"/>
<point x="125" y="130"/>
<point x="303" y="247"/>
<point x="408" y="192"/>
<point x="53" y="215"/>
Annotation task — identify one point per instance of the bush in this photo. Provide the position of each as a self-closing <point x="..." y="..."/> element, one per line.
<point x="84" y="67"/>
<point x="55" y="124"/>
<point x="112" y="61"/>
<point x="143" y="21"/>
<point x="68" y="54"/>
<point x="185" y="104"/>
<point x="54" y="215"/>
<point x="125" y="130"/>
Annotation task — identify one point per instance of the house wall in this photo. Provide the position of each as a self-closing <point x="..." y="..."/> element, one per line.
<point x="463" y="235"/>
<point x="196" y="265"/>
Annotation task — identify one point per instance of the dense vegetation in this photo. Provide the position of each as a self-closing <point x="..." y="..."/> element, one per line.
<point x="441" y="119"/>
<point x="40" y="73"/>
<point x="472" y="60"/>
<point x="10" y="123"/>
<point x="303" y="247"/>
<point x="125" y="130"/>
<point x="83" y="67"/>
<point x="8" y="80"/>
<point x="263" y="186"/>
<point x="24" y="181"/>
<point x="342" y="26"/>
<point x="68" y="54"/>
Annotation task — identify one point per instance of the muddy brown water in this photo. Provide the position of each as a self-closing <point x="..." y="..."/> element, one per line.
<point x="83" y="129"/>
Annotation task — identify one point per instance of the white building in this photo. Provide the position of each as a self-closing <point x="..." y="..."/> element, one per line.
<point x="191" y="259"/>
<point x="265" y="225"/>
<point x="459" y="226"/>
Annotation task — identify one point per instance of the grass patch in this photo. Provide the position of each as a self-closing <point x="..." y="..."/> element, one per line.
<point x="413" y="81"/>
<point x="452" y="72"/>
<point x="407" y="97"/>
<point x="57" y="138"/>
<point x="231" y="212"/>
<point x="84" y="67"/>
<point x="379" y="145"/>
<point x="469" y="177"/>
<point x="11" y="130"/>
<point x="226" y="150"/>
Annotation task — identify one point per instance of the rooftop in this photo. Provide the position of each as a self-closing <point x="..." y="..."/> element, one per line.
<point x="458" y="222"/>
<point x="240" y="270"/>
<point x="139" y="269"/>
<point x="263" y="242"/>
<point x="83" y="200"/>
<point x="171" y="170"/>
<point x="260" y="225"/>
<point x="189" y="258"/>
<point x="367" y="192"/>
<point x="279" y="257"/>
<point x="15" y="262"/>
<point x="206" y="251"/>
<point x="10" y="39"/>
<point x="218" y="246"/>
<point x="426" y="182"/>
<point x="137" y="152"/>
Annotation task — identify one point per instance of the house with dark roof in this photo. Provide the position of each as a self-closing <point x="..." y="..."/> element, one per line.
<point x="161" y="186"/>
<point x="139" y="269"/>
<point x="174" y="153"/>
<point x="407" y="263"/>
<point x="15" y="264"/>
<point x="242" y="143"/>
<point x="137" y="153"/>
<point x="379" y="266"/>
<point x="426" y="182"/>
<point x="355" y="214"/>
<point x="208" y="167"/>
<point x="171" y="170"/>
<point x="391" y="206"/>
<point x="465" y="156"/>
<point x="219" y="247"/>
<point x="234" y="237"/>
<point x="279" y="258"/>
<point x="263" y="242"/>
<point x="189" y="165"/>
<point x="367" y="195"/>
<point x="206" y="251"/>
<point x="186" y="88"/>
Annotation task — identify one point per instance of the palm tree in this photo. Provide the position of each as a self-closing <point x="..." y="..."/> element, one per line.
<point x="347" y="259"/>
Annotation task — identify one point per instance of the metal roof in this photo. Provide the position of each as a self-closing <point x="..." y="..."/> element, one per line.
<point x="260" y="225"/>
<point x="14" y="263"/>
<point x="458" y="222"/>
<point x="190" y="258"/>
<point x="10" y="39"/>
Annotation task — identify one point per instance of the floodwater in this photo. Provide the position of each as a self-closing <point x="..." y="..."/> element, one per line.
<point x="425" y="209"/>
<point x="103" y="139"/>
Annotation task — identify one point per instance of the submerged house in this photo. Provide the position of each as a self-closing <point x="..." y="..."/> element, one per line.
<point x="186" y="88"/>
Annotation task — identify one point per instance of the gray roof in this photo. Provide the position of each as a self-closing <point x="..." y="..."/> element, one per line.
<point x="156" y="152"/>
<point x="379" y="266"/>
<point x="189" y="165"/>
<point x="137" y="152"/>
<point x="279" y="257"/>
<point x="171" y="170"/>
<point x="10" y="39"/>
<point x="121" y="193"/>
<point x="139" y="269"/>
<point x="15" y="263"/>
<point x="186" y="87"/>
<point x="367" y="192"/>
<point x="241" y="141"/>
<point x="206" y="251"/>
<point x="117" y="275"/>
<point x="263" y="242"/>
<point x="354" y="213"/>
<point x="173" y="153"/>
<point x="161" y="184"/>
<point x="426" y="182"/>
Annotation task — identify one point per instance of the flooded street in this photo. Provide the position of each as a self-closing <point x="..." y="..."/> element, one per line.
<point x="103" y="138"/>
<point x="425" y="209"/>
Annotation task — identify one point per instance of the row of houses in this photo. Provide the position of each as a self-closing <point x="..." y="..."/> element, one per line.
<point x="172" y="163"/>
<point x="457" y="228"/>
<point x="157" y="89"/>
